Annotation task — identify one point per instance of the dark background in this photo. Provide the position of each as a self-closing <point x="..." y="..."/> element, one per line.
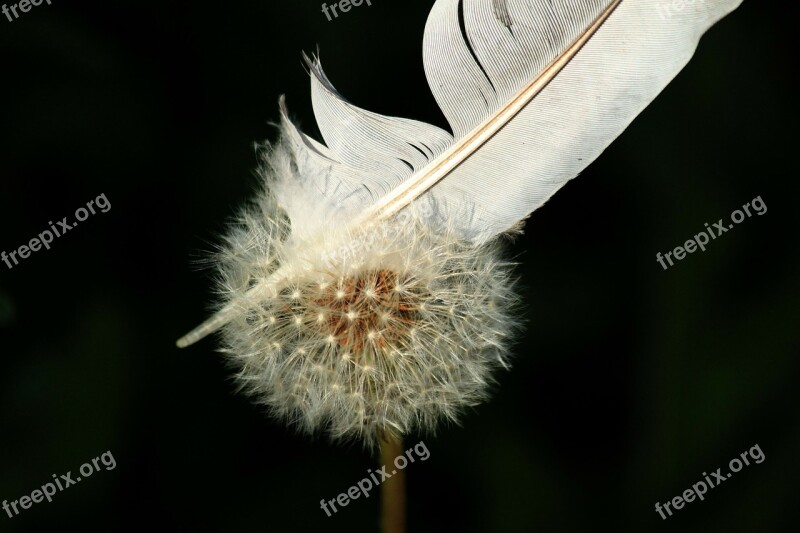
<point x="628" y="383"/>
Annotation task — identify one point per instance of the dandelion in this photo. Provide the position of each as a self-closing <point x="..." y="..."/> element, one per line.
<point x="398" y="337"/>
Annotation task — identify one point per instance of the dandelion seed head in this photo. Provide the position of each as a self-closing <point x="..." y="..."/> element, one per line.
<point x="392" y="337"/>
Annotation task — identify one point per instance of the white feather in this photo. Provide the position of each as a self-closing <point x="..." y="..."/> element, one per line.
<point x="533" y="90"/>
<point x="490" y="186"/>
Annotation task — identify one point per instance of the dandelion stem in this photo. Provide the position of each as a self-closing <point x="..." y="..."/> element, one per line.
<point x="393" y="490"/>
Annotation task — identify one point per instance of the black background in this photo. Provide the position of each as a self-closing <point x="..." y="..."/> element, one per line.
<point x="628" y="383"/>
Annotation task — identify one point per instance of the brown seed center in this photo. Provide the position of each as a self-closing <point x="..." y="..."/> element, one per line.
<point x="375" y="307"/>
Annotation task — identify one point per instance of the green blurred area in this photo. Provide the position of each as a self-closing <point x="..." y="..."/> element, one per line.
<point x="628" y="383"/>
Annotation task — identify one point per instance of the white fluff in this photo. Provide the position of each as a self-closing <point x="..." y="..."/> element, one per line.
<point x="397" y="331"/>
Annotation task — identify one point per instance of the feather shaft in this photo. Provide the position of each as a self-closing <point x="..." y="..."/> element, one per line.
<point x="264" y="288"/>
<point x="441" y="167"/>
